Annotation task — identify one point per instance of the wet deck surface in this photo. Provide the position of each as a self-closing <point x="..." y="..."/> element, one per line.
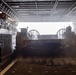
<point x="38" y="66"/>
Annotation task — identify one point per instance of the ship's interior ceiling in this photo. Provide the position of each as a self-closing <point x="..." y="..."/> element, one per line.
<point x="44" y="10"/>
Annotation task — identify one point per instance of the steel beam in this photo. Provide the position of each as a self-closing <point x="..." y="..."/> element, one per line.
<point x="4" y="7"/>
<point x="70" y="9"/>
<point x="10" y="12"/>
<point x="54" y="7"/>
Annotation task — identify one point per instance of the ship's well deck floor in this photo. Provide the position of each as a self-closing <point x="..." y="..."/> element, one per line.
<point x="43" y="66"/>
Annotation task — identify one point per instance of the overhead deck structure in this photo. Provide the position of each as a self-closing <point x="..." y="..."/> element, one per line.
<point x="44" y="10"/>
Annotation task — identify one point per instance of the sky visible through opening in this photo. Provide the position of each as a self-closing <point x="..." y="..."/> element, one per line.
<point x="44" y="28"/>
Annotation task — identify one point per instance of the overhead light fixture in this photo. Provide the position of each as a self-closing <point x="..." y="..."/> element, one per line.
<point x="0" y="12"/>
<point x="11" y="19"/>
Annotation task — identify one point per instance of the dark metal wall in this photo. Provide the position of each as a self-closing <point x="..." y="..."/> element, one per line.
<point x="5" y="49"/>
<point x="41" y="48"/>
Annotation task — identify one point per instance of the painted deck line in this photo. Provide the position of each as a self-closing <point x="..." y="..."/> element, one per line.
<point x="8" y="67"/>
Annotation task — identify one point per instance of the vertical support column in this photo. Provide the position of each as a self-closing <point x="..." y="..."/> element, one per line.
<point x="74" y="24"/>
